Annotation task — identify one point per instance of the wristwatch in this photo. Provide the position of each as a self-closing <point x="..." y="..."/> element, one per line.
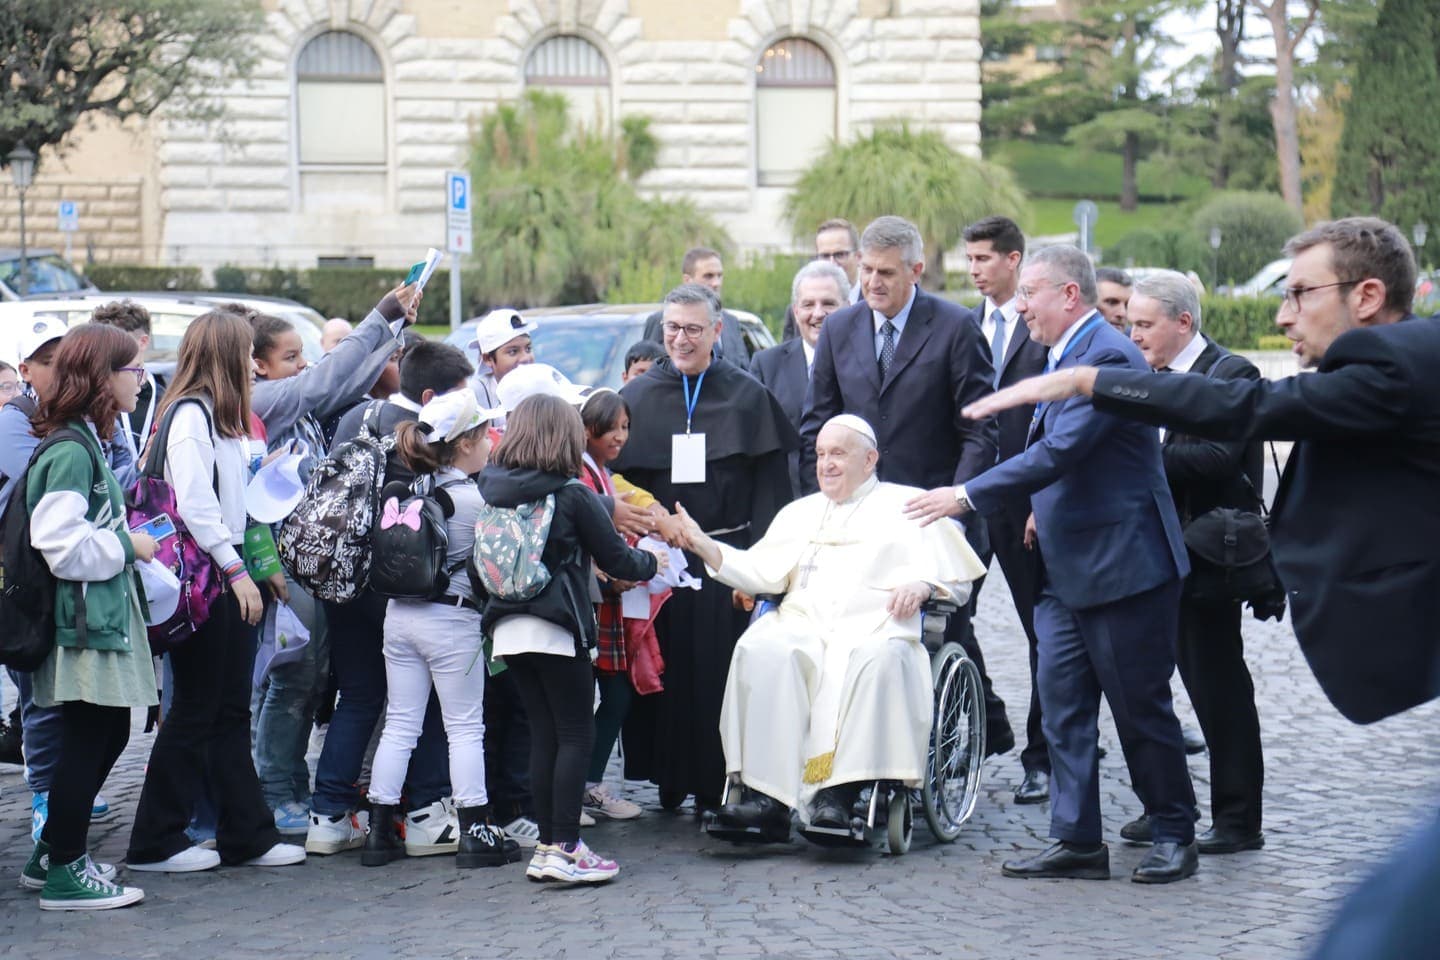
<point x="962" y="500"/>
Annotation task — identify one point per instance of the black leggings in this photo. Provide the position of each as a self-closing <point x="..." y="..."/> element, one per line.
<point x="91" y="740"/>
<point x="559" y="693"/>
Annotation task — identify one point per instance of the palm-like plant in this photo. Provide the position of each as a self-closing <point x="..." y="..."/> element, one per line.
<point x="911" y="173"/>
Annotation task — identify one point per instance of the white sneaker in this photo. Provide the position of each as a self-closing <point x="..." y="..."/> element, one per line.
<point x="523" y="831"/>
<point x="601" y="802"/>
<point x="538" y="862"/>
<point x="189" y="860"/>
<point x="280" y="855"/>
<point x="329" y="834"/>
<point x="586" y="820"/>
<point x="582" y="865"/>
<point x="431" y="831"/>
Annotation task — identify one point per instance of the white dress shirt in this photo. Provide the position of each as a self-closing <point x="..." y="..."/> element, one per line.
<point x="1184" y="361"/>
<point x="987" y="326"/>
<point x="1058" y="351"/>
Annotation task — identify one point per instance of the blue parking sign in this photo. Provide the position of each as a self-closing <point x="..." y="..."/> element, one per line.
<point x="459" y="192"/>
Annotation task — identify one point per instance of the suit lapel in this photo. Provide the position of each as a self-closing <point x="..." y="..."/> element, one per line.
<point x="862" y="346"/>
<point x="1018" y="336"/>
<point x="912" y="339"/>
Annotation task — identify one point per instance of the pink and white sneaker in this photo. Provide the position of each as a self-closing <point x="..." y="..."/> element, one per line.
<point x="577" y="863"/>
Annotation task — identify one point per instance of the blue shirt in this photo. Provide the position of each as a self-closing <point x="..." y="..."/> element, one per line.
<point x="898" y="320"/>
<point x="17" y="443"/>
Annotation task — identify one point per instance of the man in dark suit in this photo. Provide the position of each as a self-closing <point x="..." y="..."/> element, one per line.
<point x="818" y="290"/>
<point x="1164" y="314"/>
<point x="1111" y="564"/>
<point x="906" y="363"/>
<point x="703" y="266"/>
<point x="995" y="247"/>
<point x="1355" y="529"/>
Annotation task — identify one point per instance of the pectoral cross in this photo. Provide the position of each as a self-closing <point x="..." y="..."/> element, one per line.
<point x="807" y="567"/>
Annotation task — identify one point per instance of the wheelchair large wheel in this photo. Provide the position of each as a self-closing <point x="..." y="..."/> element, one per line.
<point x="957" y="743"/>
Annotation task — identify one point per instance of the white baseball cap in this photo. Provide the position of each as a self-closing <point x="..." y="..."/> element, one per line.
<point x="453" y="414"/>
<point x="533" y="379"/>
<point x="276" y="488"/>
<point x="38" y="332"/>
<point x="499" y="327"/>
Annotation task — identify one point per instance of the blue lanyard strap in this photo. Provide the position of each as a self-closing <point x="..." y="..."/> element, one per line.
<point x="691" y="401"/>
<point x="1040" y="407"/>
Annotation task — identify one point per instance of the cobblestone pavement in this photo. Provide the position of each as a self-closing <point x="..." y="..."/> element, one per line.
<point x="1338" y="798"/>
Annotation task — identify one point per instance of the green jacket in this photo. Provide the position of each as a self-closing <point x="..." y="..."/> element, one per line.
<point x="94" y="556"/>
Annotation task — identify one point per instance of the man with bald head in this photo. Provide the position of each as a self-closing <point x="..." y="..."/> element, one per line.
<point x="334" y="330"/>
<point x="833" y="690"/>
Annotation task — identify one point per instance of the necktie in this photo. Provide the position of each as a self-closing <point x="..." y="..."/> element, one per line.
<point x="887" y="347"/>
<point x="997" y="343"/>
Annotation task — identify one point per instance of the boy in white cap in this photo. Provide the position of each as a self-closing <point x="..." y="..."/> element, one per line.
<point x="503" y="340"/>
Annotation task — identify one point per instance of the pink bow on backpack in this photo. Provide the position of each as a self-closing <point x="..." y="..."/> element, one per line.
<point x="392" y="514"/>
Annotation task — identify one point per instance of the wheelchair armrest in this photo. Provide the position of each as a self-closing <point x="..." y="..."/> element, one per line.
<point x="934" y="618"/>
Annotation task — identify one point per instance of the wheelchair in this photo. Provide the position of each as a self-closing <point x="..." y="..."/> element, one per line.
<point x="951" y="784"/>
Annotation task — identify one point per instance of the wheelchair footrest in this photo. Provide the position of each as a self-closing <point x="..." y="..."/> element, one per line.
<point x="854" y="836"/>
<point x="738" y="834"/>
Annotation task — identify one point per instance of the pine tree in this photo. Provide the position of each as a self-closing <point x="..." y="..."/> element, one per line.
<point x="1389" y="163"/>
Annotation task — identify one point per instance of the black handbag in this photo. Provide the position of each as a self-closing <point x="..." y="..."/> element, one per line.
<point x="1230" y="556"/>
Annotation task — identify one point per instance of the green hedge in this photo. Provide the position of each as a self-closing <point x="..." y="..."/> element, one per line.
<point x="347" y="292"/>
<point x="1239" y="322"/>
<point x="122" y="277"/>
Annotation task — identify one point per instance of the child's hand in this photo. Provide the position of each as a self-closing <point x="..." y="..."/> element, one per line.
<point x="662" y="559"/>
<point x="671" y="529"/>
<point x="144" y="545"/>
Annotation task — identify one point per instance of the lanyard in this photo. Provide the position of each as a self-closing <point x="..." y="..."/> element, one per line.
<point x="1040" y="407"/>
<point x="690" y="401"/>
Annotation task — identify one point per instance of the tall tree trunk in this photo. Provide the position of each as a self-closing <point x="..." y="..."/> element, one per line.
<point x="1230" y="29"/>
<point x="1282" y="108"/>
<point x="1129" y="189"/>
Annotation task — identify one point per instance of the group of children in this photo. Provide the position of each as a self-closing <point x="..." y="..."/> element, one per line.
<point x="217" y="791"/>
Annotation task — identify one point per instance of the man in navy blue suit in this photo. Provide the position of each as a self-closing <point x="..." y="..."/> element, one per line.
<point x="1112" y="562"/>
<point x="907" y="363"/>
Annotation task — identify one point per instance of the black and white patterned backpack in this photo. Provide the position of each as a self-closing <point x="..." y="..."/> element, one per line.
<point x="325" y="542"/>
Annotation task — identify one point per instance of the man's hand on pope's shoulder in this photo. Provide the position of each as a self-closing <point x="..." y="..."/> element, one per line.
<point x="905" y="600"/>
<point x="1047" y="388"/>
<point x="935" y="505"/>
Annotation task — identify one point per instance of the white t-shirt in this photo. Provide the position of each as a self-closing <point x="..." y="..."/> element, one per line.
<point x="526" y="634"/>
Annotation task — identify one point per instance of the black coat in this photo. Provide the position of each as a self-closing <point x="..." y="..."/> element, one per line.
<point x="1205" y="474"/>
<point x="1024" y="358"/>
<point x="941" y="364"/>
<point x="1356" y="521"/>
<point x="579" y="530"/>
<point x="782" y="370"/>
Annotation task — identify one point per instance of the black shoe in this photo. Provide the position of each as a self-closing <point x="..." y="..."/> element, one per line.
<point x="1002" y="742"/>
<point x="1062" y="863"/>
<point x="482" y="843"/>
<point x="382" y="843"/>
<point x="1223" y="840"/>
<point x="831" y="808"/>
<point x="1035" y="788"/>
<point x="1194" y="740"/>
<point x="671" y="799"/>
<point x="1167" y="862"/>
<point x="1138" y="830"/>
<point x="10" y="741"/>
<point x="760" y="812"/>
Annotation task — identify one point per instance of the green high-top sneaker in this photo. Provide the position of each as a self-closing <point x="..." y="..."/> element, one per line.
<point x="74" y="886"/>
<point x="38" y="867"/>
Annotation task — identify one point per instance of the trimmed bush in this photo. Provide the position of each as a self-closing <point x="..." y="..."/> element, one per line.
<point x="119" y="276"/>
<point x="1253" y="229"/>
<point x="1175" y="249"/>
<point x="1238" y="323"/>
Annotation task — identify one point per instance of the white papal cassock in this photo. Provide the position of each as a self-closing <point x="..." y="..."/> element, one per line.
<point x="831" y="689"/>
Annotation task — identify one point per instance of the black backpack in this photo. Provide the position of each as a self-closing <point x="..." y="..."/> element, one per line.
<point x="27" y="586"/>
<point x="410" y="544"/>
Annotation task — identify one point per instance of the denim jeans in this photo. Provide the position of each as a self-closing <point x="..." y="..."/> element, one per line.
<point x="284" y="707"/>
<point x="41" y="730"/>
<point x="358" y="662"/>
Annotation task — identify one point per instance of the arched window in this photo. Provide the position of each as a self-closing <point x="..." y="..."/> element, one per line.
<point x="340" y="101"/>
<point x="574" y="67"/>
<point x="794" y="109"/>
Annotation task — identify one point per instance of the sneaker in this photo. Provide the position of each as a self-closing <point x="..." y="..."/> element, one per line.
<point x="327" y="834"/>
<point x="39" y="813"/>
<point x="539" y="861"/>
<point x="74" y="886"/>
<point x="523" y="831"/>
<point x="33" y="875"/>
<point x="292" y="819"/>
<point x="580" y="865"/>
<point x="189" y="860"/>
<point x="432" y="830"/>
<point x="586" y="820"/>
<point x="280" y="855"/>
<point x="99" y="809"/>
<point x="600" y="802"/>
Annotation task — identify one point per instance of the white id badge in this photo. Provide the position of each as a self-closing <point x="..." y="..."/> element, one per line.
<point x="687" y="458"/>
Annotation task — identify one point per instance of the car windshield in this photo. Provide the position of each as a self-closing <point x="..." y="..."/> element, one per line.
<point x="45" y="274"/>
<point x="588" y="350"/>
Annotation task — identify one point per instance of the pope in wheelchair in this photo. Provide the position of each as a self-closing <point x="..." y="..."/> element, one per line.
<point x="833" y="691"/>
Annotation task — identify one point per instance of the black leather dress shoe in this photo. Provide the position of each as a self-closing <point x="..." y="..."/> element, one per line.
<point x="1167" y="862"/>
<point x="1138" y="830"/>
<point x="757" y="810"/>
<point x="1222" y="840"/>
<point x="1061" y="863"/>
<point x="831" y="808"/>
<point x="1194" y="740"/>
<point x="1035" y="788"/>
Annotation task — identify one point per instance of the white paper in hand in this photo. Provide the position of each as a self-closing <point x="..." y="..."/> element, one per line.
<point x="674" y="576"/>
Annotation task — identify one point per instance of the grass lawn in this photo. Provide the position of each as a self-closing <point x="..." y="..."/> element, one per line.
<point x="1050" y="216"/>
<point x="432" y="331"/>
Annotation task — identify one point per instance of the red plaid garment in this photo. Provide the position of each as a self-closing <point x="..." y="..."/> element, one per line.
<point x="610" y="650"/>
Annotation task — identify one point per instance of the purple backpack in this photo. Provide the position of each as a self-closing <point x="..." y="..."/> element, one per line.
<point x="151" y="504"/>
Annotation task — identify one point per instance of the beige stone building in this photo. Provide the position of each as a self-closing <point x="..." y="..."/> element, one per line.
<point x="336" y="147"/>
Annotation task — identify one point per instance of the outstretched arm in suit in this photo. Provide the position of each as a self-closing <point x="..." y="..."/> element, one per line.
<point x="1210" y="459"/>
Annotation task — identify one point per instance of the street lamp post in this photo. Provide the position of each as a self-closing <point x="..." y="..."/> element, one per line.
<point x="1215" y="238"/>
<point x="1418" y="233"/>
<point x="22" y="171"/>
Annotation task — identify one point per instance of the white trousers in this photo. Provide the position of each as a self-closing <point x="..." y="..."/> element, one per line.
<point x="432" y="644"/>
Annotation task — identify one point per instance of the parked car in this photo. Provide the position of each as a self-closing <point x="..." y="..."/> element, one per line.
<point x="170" y="314"/>
<point x="48" y="272"/>
<point x="1269" y="280"/>
<point x="587" y="343"/>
